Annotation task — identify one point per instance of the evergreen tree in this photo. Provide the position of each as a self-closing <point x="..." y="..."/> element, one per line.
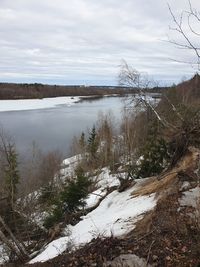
<point x="12" y="176"/>
<point x="155" y="158"/>
<point x="71" y="199"/>
<point x="76" y="191"/>
<point x="82" y="142"/>
<point x="93" y="142"/>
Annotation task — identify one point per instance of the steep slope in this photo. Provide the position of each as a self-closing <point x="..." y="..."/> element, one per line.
<point x="166" y="235"/>
<point x="116" y="215"/>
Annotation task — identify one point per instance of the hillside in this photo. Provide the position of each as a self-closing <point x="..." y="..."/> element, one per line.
<point x="126" y="199"/>
<point x="190" y="90"/>
<point x="154" y="222"/>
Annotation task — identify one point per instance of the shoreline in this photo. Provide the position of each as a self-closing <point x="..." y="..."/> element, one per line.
<point x="12" y="105"/>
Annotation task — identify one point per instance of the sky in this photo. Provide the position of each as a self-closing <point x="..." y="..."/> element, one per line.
<point x="85" y="41"/>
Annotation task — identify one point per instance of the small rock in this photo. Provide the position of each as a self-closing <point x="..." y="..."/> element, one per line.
<point x="184" y="249"/>
<point x="155" y="257"/>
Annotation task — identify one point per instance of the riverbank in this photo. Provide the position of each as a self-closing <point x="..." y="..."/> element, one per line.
<point x="38" y="91"/>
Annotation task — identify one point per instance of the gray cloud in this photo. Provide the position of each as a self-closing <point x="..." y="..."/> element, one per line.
<point x="83" y="41"/>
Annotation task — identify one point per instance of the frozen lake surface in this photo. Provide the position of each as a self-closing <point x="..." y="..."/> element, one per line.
<point x="30" y="104"/>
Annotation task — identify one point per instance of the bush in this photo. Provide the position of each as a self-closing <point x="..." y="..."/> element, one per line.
<point x="47" y="195"/>
<point x="55" y="216"/>
<point x="71" y="199"/>
<point x="155" y="157"/>
<point x="73" y="196"/>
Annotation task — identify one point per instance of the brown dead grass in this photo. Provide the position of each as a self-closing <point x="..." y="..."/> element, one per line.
<point x="156" y="186"/>
<point x="169" y="180"/>
<point x="190" y="160"/>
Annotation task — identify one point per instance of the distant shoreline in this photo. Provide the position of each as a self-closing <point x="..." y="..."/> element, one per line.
<point x="16" y="91"/>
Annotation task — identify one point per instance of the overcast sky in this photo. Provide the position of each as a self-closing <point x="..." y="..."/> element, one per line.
<point x="84" y="41"/>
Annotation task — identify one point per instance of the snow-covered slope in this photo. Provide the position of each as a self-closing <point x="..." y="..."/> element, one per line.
<point x="115" y="215"/>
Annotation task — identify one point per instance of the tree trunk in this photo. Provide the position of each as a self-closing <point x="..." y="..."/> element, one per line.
<point x="16" y="246"/>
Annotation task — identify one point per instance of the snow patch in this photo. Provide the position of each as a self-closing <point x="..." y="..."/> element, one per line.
<point x="3" y="255"/>
<point x="94" y="197"/>
<point x="116" y="215"/>
<point x="72" y="160"/>
<point x="103" y="181"/>
<point x="191" y="197"/>
<point x="185" y="186"/>
<point x="68" y="165"/>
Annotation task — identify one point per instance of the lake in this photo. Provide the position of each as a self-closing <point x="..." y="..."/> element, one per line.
<point x="54" y="127"/>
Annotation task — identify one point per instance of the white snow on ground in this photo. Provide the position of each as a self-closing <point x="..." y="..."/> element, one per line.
<point x="116" y="215"/>
<point x="68" y="165"/>
<point x="103" y="181"/>
<point x="191" y="198"/>
<point x="3" y="256"/>
<point x="38" y="218"/>
<point x="31" y="104"/>
<point x="72" y="160"/>
<point x="185" y="186"/>
<point x="71" y="163"/>
<point x="94" y="197"/>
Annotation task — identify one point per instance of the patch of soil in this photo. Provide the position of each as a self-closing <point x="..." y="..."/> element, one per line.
<point x="173" y="238"/>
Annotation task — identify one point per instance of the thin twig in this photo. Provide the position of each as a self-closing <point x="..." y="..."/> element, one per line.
<point x="149" y="252"/>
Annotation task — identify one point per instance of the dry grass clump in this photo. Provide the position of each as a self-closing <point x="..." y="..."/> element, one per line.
<point x="167" y="180"/>
<point x="154" y="185"/>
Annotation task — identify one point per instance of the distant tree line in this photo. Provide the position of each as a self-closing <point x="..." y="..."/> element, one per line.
<point x="37" y="90"/>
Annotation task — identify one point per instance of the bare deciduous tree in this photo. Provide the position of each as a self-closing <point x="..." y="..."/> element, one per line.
<point x="186" y="25"/>
<point x="130" y="77"/>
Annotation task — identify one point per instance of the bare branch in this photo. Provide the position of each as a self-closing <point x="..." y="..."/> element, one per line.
<point x="174" y="108"/>
<point x="180" y="28"/>
<point x="16" y="246"/>
<point x="132" y="78"/>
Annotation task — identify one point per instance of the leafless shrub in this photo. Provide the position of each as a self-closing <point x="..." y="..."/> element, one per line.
<point x="39" y="170"/>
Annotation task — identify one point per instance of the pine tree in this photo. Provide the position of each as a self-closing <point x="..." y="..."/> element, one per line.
<point x="76" y="191"/>
<point x="12" y="176"/>
<point x="82" y="142"/>
<point x="71" y="199"/>
<point x="155" y="158"/>
<point x="93" y="142"/>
